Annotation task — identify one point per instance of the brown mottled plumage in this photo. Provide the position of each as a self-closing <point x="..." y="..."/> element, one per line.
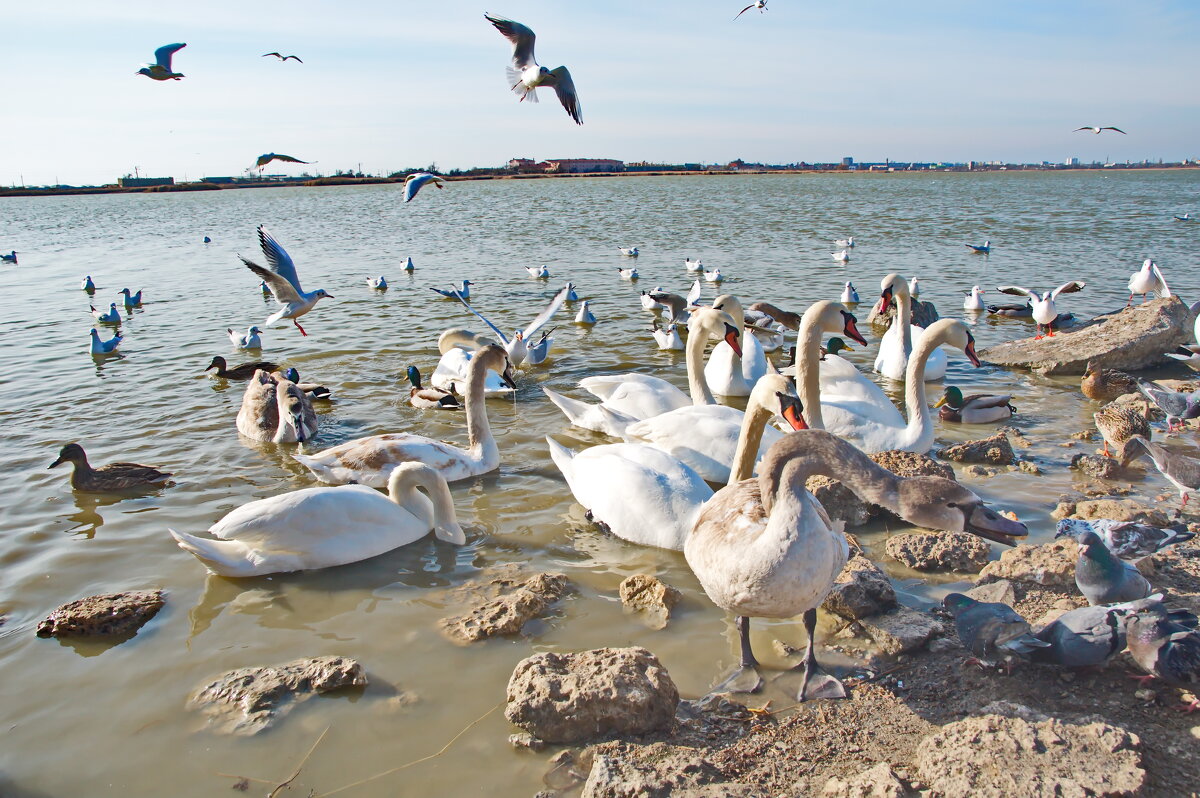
<point x="1118" y="423"/>
<point x="1104" y="385"/>
<point x="112" y="477"/>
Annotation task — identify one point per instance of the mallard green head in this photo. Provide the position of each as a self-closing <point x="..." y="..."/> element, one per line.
<point x="836" y="345"/>
<point x="414" y="376"/>
<point x="952" y="397"/>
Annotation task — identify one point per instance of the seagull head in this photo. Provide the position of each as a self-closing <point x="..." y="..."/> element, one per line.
<point x="323" y="294"/>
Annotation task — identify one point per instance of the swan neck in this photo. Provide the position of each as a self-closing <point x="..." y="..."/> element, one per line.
<point x="754" y="422"/>
<point x="808" y="351"/>
<point x="694" y="357"/>
<point x="829" y="456"/>
<point x="904" y="319"/>
<point x="916" y="402"/>
<point x="479" y="431"/>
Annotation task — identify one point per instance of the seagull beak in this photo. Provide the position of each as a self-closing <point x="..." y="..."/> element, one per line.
<point x="732" y="338"/>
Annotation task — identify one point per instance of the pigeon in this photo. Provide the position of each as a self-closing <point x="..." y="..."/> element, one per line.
<point x="992" y="631"/>
<point x="1180" y="470"/>
<point x="1096" y="129"/>
<point x="267" y="157"/>
<point x="1177" y="405"/>
<point x="105" y="347"/>
<point x="161" y="68"/>
<point x="1102" y="577"/>
<point x="283" y="57"/>
<point x="525" y="75"/>
<point x="1165" y="648"/>
<point x="414" y="182"/>
<point x="1127" y="539"/>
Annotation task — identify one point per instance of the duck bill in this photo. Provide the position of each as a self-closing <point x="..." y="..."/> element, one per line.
<point x="57" y="462"/>
<point x="969" y="349"/>
<point x="886" y="302"/>
<point x="850" y="328"/>
<point x="940" y="402"/>
<point x="732" y="338"/>
<point x="992" y="526"/>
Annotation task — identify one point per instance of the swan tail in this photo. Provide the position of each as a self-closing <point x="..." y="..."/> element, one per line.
<point x="577" y="412"/>
<point x="319" y="469"/>
<point x="562" y="456"/>
<point x="221" y="557"/>
<point x="614" y="423"/>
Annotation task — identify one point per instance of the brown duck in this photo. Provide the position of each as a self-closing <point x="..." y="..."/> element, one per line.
<point x="1104" y="385"/>
<point x="1118" y="423"/>
<point x="243" y="372"/>
<point x="112" y="477"/>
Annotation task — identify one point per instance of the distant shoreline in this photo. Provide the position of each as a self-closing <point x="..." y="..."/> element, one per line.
<point x="365" y="181"/>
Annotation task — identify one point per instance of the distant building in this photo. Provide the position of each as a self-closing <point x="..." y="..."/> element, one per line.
<point x="523" y="165"/>
<point x="562" y="165"/>
<point x="216" y="180"/>
<point x="847" y="161"/>
<point x="145" y="182"/>
<point x="1072" y="162"/>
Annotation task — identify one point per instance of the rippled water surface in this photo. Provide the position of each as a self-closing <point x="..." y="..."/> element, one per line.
<point x="103" y="720"/>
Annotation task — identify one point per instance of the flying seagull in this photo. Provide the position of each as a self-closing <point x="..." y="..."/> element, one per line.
<point x="525" y="75"/>
<point x="414" y="182"/>
<point x="283" y="282"/>
<point x="161" y="68"/>
<point x="282" y="57"/>
<point x="761" y="5"/>
<point x="1097" y="130"/>
<point x="267" y="157"/>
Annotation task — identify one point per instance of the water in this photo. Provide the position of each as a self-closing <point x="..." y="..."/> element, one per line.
<point x="120" y="710"/>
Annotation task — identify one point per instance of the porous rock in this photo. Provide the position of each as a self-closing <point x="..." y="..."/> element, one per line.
<point x="878" y="782"/>
<point x="1002" y="591"/>
<point x="1116" y="509"/>
<point x="860" y="590"/>
<point x="923" y="314"/>
<point x="1131" y="339"/>
<point x="939" y="551"/>
<point x="911" y="464"/>
<point x="657" y="771"/>
<point x="508" y="612"/>
<point x="1096" y="465"/>
<point x="992" y="450"/>
<point x="1051" y="563"/>
<point x="572" y="697"/>
<point x="840" y="503"/>
<point x="247" y="700"/>
<point x="106" y="615"/>
<point x="903" y="630"/>
<point x="994" y="756"/>
<point x="650" y="595"/>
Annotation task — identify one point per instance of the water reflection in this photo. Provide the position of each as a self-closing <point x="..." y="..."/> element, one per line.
<point x="87" y="519"/>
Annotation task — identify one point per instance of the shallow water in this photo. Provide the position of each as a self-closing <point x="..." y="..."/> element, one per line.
<point x="120" y="710"/>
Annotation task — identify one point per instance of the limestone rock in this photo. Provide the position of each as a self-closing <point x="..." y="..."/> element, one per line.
<point x="861" y="589"/>
<point x="1116" y="509"/>
<point x="1096" y="465"/>
<point x="993" y="450"/>
<point x="1131" y="339"/>
<point x="660" y="771"/>
<point x="568" y="698"/>
<point x="939" y="551"/>
<point x="106" y="615"/>
<point x="1008" y="757"/>
<point x="878" y="782"/>
<point x="840" y="503"/>
<point x="979" y="471"/>
<point x="508" y="612"/>
<point x="1002" y="591"/>
<point x="903" y="630"/>
<point x="911" y="464"/>
<point x="247" y="700"/>
<point x="650" y="595"/>
<point x="1029" y="467"/>
<point x="923" y="314"/>
<point x="1052" y="563"/>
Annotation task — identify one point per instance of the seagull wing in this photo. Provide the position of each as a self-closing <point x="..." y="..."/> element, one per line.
<point x="277" y="55"/>
<point x="693" y="295"/>
<point x="1067" y="288"/>
<point x="289" y="159"/>
<point x="547" y="313"/>
<point x="744" y="10"/>
<point x="279" y="261"/>
<point x="1076" y="130"/>
<point x="414" y="182"/>
<point x="281" y="289"/>
<point x="1114" y="128"/>
<point x="482" y="318"/>
<point x="286" y="57"/>
<point x="162" y="55"/>
<point x="564" y="87"/>
<point x="1154" y="270"/>
<point x="1017" y="290"/>
<point x="522" y="39"/>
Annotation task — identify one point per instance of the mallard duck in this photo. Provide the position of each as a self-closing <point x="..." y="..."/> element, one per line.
<point x="834" y="346"/>
<point x="315" y="390"/>
<point x="1118" y="423"/>
<point x="974" y="409"/>
<point x="425" y="398"/>
<point x="243" y="372"/>
<point x="112" y="477"/>
<point x="1105" y="385"/>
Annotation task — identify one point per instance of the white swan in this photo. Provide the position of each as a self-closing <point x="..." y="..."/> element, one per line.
<point x="819" y="373"/>
<point x="370" y="460"/>
<point x="518" y="347"/>
<point x="1045" y="312"/>
<point x="903" y="335"/>
<point x="728" y="373"/>
<point x="974" y="299"/>
<point x="1146" y="280"/>
<point x="458" y="346"/>
<point x="275" y="409"/>
<point x="323" y="527"/>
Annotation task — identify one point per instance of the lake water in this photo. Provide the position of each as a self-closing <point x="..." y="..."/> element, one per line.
<point x="102" y="720"/>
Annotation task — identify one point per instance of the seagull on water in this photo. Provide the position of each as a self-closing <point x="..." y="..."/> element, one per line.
<point x="207" y="240"/>
<point x="414" y="182"/>
<point x="761" y="5"/>
<point x="88" y="285"/>
<point x="984" y="249"/>
<point x="1187" y="217"/>
<point x="525" y="75"/>
<point x="455" y="293"/>
<point x="378" y="283"/>
<point x="632" y="252"/>
<point x="10" y="257"/>
<point x="251" y="340"/>
<point x="408" y="265"/>
<point x="571" y="295"/>
<point x="693" y="265"/>
<point x="267" y="157"/>
<point x="1044" y="311"/>
<point x="845" y="243"/>
<point x="974" y="299"/>
<point x="540" y="272"/>
<point x="1097" y="130"/>
<point x="105" y="347"/>
<point x="283" y="282"/>
<point x="842" y="256"/>
<point x="628" y="274"/>
<point x="849" y="295"/>
<point x="161" y="68"/>
<point x="132" y="300"/>
<point x="110" y="316"/>
<point x="283" y="57"/>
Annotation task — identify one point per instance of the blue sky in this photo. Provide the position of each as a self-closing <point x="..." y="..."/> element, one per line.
<point x="403" y="83"/>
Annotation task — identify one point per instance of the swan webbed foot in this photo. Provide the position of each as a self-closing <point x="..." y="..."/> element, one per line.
<point x="746" y="679"/>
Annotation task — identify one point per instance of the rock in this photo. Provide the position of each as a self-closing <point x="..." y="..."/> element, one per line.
<point x="1116" y="509"/>
<point x="878" y="782"/>
<point x="903" y="630"/>
<point x="840" y="503"/>
<point x="1016" y="437"/>
<point x="507" y="613"/>
<point x="939" y="644"/>
<point x="939" y="551"/>
<point x="911" y="464"/>
<point x="106" y="615"/>
<point x="1008" y="757"/>
<point x="568" y="698"/>
<point x="923" y="314"/>
<point x="861" y="589"/>
<point x="993" y="450"/>
<point x="247" y="700"/>
<point x="1029" y="467"/>
<point x="526" y="740"/>
<point x="1083" y="435"/>
<point x="660" y="770"/>
<point x="642" y="592"/>
<point x="1133" y="338"/>
<point x="1052" y="563"/>
<point x="1001" y="591"/>
<point x="978" y="471"/>
<point x="1096" y="465"/>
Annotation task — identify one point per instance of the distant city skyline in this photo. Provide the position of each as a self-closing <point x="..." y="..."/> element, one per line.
<point x="399" y="84"/>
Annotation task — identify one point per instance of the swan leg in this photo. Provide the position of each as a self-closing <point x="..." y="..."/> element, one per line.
<point x="817" y="683"/>
<point x="746" y="678"/>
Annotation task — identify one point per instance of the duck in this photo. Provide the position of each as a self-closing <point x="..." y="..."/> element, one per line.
<point x="1013" y="311"/>
<point x="1117" y="423"/>
<point x="540" y="272"/>
<point x="841" y="256"/>
<point x="241" y="372"/>
<point x="283" y="281"/>
<point x="315" y="390"/>
<point x="1180" y="470"/>
<point x="105" y="347"/>
<point x="849" y="294"/>
<point x="275" y="409"/>
<point x="844" y="243"/>
<point x="455" y="293"/>
<point x="207" y="240"/>
<point x="666" y="338"/>
<point x="764" y="547"/>
<point x="730" y="374"/>
<point x="251" y="340"/>
<point x="625" y="398"/>
<point x="832" y="348"/>
<point x="1045" y="313"/>
<point x="110" y="316"/>
<point x="628" y="274"/>
<point x="693" y="265"/>
<point x="629" y="252"/>
<point x="131" y="300"/>
<point x="519" y="348"/>
<point x="903" y="336"/>
<point x="370" y="460"/>
<point x="974" y="409"/>
<point x="1105" y="385"/>
<point x="1146" y="280"/>
<point x="714" y="276"/>
<point x="87" y="285"/>
<point x="426" y="398"/>
<point x="11" y="257"/>
<point x="378" y="283"/>
<point x="321" y="527"/>
<point x="408" y="264"/>
<point x="985" y="249"/>
<point x="111" y="477"/>
<point x="585" y="315"/>
<point x="974" y="299"/>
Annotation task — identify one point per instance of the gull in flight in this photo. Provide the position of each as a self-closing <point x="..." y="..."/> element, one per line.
<point x="414" y="182"/>
<point x="267" y="157"/>
<point x="1044" y="310"/>
<point x="1095" y="129"/>
<point x="283" y="57"/>
<point x="161" y="68"/>
<point x="525" y="75"/>
<point x="283" y="282"/>
<point x="761" y="5"/>
<point x="518" y="347"/>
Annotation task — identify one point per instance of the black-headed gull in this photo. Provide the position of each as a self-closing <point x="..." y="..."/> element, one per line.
<point x="131" y="300"/>
<point x="267" y="157"/>
<point x="1187" y="217"/>
<point x="630" y="252"/>
<point x="585" y="315"/>
<point x="841" y="257"/>
<point x="849" y="295"/>
<point x="693" y="265"/>
<point x="414" y="182"/>
<point x="519" y="348"/>
<point x="761" y="5"/>
<point x="378" y="283"/>
<point x="845" y="243"/>
<point x="525" y="75"/>
<point x="628" y="274"/>
<point x="161" y="68"/>
<point x="251" y="340"/>
<point x="105" y="347"/>
<point x="110" y="316"/>
<point x="1147" y="279"/>
<point x="1044" y="311"/>
<point x="455" y="293"/>
<point x="408" y="264"/>
<point x="540" y="272"/>
<point x="282" y="57"/>
<point x="974" y="299"/>
<point x="283" y="282"/>
<point x="88" y="285"/>
<point x="1096" y="129"/>
<point x="985" y="249"/>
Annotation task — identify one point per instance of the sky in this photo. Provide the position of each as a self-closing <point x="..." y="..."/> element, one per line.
<point x="398" y="84"/>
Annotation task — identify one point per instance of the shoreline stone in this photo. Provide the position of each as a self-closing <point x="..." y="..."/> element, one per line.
<point x="507" y="613"/>
<point x="1052" y="563"/>
<point x="862" y="589"/>
<point x="992" y="450"/>
<point x="650" y="595"/>
<point x="940" y="551"/>
<point x="105" y="615"/>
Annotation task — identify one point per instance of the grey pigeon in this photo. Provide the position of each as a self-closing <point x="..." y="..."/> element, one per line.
<point x="1091" y="636"/>
<point x="1180" y="470"/>
<point x="1126" y="539"/>
<point x="1178" y="406"/>
<point x="1102" y="577"/>
<point x="992" y="631"/>
<point x="1165" y="648"/>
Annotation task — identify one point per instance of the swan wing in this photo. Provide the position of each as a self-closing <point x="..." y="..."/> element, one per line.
<point x="370" y="460"/>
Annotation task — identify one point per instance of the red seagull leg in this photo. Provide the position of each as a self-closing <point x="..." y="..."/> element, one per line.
<point x="298" y="327"/>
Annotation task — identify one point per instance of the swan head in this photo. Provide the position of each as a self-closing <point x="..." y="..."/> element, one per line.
<point x="892" y="288"/>
<point x="291" y="407"/>
<point x="494" y="357"/>
<point x="217" y="363"/>
<point x="731" y="305"/>
<point x="939" y="503"/>
<point x="714" y="323"/>
<point x="956" y="334"/>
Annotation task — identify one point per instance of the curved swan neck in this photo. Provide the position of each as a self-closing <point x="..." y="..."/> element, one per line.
<point x="754" y="422"/>
<point x="920" y="419"/>
<point x="808" y="352"/>
<point x="479" y="431"/>
<point x="904" y="317"/>
<point x="791" y="462"/>
<point x="402" y="489"/>
<point x="694" y="357"/>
